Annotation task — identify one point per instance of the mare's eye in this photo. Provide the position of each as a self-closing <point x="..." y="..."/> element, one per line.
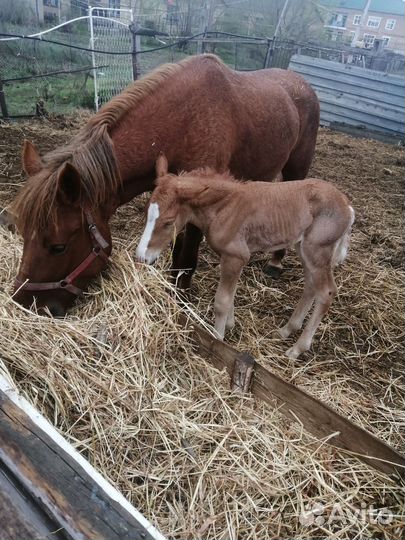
<point x="168" y="224"/>
<point x="57" y="249"/>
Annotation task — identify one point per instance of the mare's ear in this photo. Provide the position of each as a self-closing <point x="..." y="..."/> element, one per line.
<point x="162" y="165"/>
<point x="30" y="158"/>
<point x="69" y="184"/>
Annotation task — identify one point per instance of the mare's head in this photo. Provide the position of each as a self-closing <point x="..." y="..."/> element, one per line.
<point x="164" y="217"/>
<point x="65" y="230"/>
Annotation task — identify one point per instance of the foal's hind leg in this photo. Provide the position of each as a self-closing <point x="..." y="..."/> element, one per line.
<point x="304" y="305"/>
<point x="300" y="312"/>
<point x="185" y="256"/>
<point x="325" y="290"/>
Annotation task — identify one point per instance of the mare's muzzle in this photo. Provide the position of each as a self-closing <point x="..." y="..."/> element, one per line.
<point x="66" y="284"/>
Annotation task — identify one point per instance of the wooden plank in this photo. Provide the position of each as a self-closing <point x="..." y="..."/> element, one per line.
<point x="316" y="417"/>
<point x="20" y="517"/>
<point x="59" y="487"/>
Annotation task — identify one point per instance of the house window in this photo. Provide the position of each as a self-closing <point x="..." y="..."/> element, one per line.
<point x="373" y="22"/>
<point x="356" y="20"/>
<point x="368" y="40"/>
<point x="386" y="40"/>
<point x="114" y="4"/>
<point x="390" y="24"/>
<point x="338" y="20"/>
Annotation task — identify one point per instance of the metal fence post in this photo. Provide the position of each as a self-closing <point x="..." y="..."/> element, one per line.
<point x="3" y="105"/>
<point x="93" y="58"/>
<point x="136" y="46"/>
<point x="269" y="53"/>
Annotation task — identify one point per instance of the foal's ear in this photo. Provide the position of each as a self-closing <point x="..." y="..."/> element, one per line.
<point x="162" y="165"/>
<point x="69" y="184"/>
<point x="30" y="158"/>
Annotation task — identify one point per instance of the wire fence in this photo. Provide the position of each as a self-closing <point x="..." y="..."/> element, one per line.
<point x="86" y="61"/>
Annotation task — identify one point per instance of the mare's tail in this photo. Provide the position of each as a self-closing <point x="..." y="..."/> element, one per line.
<point x="342" y="245"/>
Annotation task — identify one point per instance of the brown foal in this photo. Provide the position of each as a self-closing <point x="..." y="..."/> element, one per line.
<point x="239" y="219"/>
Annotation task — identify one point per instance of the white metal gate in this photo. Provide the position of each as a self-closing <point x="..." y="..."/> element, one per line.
<point x="110" y="32"/>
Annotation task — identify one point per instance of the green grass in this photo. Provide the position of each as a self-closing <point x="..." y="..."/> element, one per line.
<point x="62" y="95"/>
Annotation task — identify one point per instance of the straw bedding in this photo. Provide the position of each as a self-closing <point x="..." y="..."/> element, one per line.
<point x="120" y="380"/>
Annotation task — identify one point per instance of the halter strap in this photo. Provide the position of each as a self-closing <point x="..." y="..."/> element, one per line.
<point x="99" y="245"/>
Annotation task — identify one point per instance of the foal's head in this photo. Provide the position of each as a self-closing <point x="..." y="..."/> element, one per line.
<point x="164" y="217"/>
<point x="52" y="210"/>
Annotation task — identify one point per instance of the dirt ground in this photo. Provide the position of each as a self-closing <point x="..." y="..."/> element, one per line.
<point x="359" y="348"/>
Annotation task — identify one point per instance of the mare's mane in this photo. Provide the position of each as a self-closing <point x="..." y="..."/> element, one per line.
<point x="91" y="152"/>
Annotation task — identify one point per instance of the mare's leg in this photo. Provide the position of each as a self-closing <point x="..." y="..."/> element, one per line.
<point x="319" y="265"/>
<point x="185" y="256"/>
<point x="275" y="267"/>
<point x="301" y="156"/>
<point x="231" y="268"/>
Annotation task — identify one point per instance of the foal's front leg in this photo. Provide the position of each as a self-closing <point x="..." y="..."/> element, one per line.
<point x="231" y="268"/>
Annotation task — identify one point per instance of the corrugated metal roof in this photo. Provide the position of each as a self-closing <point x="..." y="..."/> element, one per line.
<point x="344" y="4"/>
<point x="392" y="7"/>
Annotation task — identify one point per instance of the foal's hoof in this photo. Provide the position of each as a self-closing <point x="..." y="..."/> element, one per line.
<point x="230" y="324"/>
<point x="273" y="271"/>
<point x="293" y="353"/>
<point x="283" y="332"/>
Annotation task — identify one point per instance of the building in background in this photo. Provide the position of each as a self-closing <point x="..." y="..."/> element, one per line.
<point x="366" y="23"/>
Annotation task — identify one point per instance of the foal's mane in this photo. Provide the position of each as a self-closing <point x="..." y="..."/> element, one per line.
<point x="91" y="152"/>
<point x="209" y="174"/>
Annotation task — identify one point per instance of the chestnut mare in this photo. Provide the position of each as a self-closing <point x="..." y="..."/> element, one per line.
<point x="199" y="113"/>
<point x="239" y="219"/>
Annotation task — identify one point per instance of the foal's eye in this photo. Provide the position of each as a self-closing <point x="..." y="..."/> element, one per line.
<point x="168" y="224"/>
<point x="57" y="249"/>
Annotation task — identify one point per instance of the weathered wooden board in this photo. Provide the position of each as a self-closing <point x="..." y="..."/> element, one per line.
<point x="61" y="494"/>
<point x="316" y="417"/>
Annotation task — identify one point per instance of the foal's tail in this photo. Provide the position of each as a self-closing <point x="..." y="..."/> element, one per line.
<point x="342" y="245"/>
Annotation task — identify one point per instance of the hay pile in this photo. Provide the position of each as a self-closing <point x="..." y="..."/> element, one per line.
<point x="119" y="379"/>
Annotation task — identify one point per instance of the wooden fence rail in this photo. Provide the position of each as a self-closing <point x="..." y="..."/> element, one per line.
<point x="316" y="417"/>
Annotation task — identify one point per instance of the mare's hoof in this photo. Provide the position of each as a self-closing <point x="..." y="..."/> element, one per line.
<point x="273" y="271"/>
<point x="184" y="295"/>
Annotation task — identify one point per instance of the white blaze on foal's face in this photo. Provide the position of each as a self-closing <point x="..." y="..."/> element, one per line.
<point x="144" y="251"/>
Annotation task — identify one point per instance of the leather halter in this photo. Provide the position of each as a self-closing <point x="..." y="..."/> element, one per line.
<point x="66" y="284"/>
